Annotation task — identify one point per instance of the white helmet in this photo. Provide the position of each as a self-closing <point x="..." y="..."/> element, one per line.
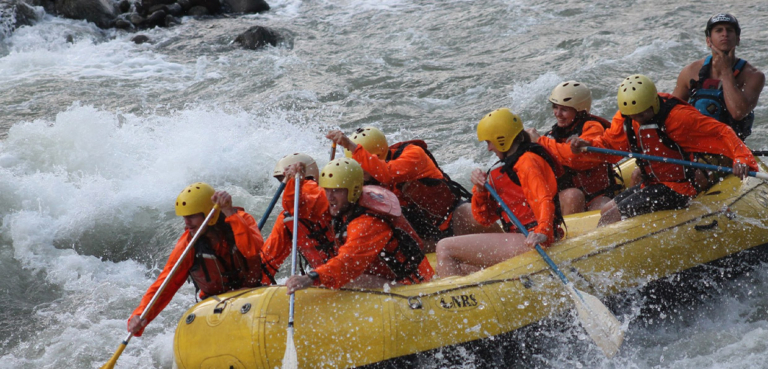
<point x="310" y="166"/>
<point x="573" y="94"/>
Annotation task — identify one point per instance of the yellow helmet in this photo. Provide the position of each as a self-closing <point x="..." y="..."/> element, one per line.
<point x="195" y="199"/>
<point x="573" y="94"/>
<point x="343" y="173"/>
<point x="372" y="140"/>
<point x="637" y="93"/>
<point x="501" y="127"/>
<point x="310" y="166"/>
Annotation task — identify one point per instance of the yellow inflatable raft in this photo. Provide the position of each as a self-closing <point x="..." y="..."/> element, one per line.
<point x="349" y="328"/>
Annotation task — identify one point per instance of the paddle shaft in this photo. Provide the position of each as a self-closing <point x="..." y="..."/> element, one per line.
<point x="167" y="280"/>
<point x="601" y="325"/>
<point x="670" y="160"/>
<point x="271" y="205"/>
<point x="295" y="249"/>
<point x="176" y="266"/>
<point x="522" y="229"/>
<point x="333" y="151"/>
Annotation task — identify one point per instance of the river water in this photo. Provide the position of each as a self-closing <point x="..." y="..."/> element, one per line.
<point x="98" y="136"/>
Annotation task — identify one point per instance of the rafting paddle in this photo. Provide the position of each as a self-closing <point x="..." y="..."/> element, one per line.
<point x="111" y="363"/>
<point x="601" y="325"/>
<point x="271" y="205"/>
<point x="333" y="151"/>
<point x="291" y="360"/>
<point x="670" y="160"/>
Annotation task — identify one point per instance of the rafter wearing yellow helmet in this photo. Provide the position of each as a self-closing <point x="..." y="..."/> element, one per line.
<point x="525" y="179"/>
<point x="660" y="124"/>
<point x="436" y="206"/>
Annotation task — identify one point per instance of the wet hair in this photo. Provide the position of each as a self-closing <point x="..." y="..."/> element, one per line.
<point x="521" y="138"/>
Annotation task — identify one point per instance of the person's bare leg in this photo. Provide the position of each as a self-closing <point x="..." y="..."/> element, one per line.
<point x="572" y="201"/>
<point x="464" y="223"/>
<point x="609" y="214"/>
<point x="598" y="202"/>
<point x="637" y="178"/>
<point x="476" y="250"/>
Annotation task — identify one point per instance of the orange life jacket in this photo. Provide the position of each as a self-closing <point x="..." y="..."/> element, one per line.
<point x="429" y="201"/>
<point x="215" y="274"/>
<point x="594" y="182"/>
<point x="319" y="253"/>
<point x="403" y="257"/>
<point x="651" y="139"/>
<point x="505" y="181"/>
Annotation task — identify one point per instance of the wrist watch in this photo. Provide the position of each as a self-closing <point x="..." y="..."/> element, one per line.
<point x="313" y="275"/>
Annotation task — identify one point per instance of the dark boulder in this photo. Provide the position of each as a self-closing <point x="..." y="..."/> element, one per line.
<point x="174" y="9"/>
<point x="25" y="15"/>
<point x="257" y="37"/>
<point x="123" y="24"/>
<point x="170" y="20"/>
<point x="136" y="19"/>
<point x="124" y="6"/>
<point x="146" y="7"/>
<point x="198" y="11"/>
<point x="156" y="19"/>
<point x="155" y="8"/>
<point x="213" y="6"/>
<point x="100" y="12"/>
<point x="185" y="4"/>
<point x="140" y="39"/>
<point x="245" y="6"/>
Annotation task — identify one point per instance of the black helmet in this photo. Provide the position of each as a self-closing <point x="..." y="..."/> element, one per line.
<point x="722" y="18"/>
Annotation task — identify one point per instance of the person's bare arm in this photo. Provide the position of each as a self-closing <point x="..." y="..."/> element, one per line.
<point x="683" y="86"/>
<point x="740" y="101"/>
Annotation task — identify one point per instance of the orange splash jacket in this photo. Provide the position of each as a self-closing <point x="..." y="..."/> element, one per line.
<point x="360" y="249"/>
<point x="315" y="238"/>
<point x="248" y="241"/>
<point x="531" y="201"/>
<point x="374" y="238"/>
<point x="688" y="128"/>
<point x="426" y="195"/>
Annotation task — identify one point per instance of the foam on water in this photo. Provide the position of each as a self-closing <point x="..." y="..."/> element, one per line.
<point x="43" y="51"/>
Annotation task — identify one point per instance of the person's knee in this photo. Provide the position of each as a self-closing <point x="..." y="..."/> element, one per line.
<point x="572" y="200"/>
<point x="608" y="206"/>
<point x="636" y="177"/>
<point x="598" y="202"/>
<point x="571" y="194"/>
<point x="609" y="216"/>
<point x="464" y="213"/>
<point x="443" y="249"/>
<point x="462" y="221"/>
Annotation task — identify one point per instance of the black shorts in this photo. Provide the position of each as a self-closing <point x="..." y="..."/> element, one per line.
<point x="637" y="201"/>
